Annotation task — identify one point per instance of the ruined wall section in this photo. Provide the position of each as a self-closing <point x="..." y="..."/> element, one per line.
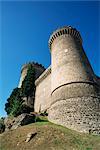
<point x="43" y="91"/>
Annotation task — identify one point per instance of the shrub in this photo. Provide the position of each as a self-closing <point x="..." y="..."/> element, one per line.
<point x="2" y="126"/>
<point x="14" y="103"/>
<point x="28" y="85"/>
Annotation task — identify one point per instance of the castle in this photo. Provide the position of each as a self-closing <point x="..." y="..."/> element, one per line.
<point x="68" y="89"/>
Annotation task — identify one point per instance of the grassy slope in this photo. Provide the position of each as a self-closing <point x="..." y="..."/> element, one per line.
<point x="49" y="137"/>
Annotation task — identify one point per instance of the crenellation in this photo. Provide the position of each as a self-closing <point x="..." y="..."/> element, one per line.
<point x="65" y="30"/>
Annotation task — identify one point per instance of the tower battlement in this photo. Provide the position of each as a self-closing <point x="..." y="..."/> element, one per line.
<point x="25" y="66"/>
<point x="39" y="69"/>
<point x="67" y="30"/>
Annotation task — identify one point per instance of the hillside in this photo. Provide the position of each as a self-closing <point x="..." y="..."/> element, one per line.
<point x="49" y="137"/>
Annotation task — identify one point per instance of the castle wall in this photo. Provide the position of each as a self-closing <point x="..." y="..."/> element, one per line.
<point x="43" y="91"/>
<point x="71" y="91"/>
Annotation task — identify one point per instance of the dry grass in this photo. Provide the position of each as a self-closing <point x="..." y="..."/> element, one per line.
<point x="49" y="137"/>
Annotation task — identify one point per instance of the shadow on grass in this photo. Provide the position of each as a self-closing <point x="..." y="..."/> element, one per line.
<point x="38" y="119"/>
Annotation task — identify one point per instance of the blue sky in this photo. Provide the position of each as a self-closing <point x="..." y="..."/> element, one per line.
<point x="25" y="29"/>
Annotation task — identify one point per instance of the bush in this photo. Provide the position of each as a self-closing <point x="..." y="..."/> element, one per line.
<point x="14" y="103"/>
<point x="2" y="126"/>
<point x="2" y="120"/>
<point x="28" y="85"/>
<point x="16" y="108"/>
<point x="25" y="109"/>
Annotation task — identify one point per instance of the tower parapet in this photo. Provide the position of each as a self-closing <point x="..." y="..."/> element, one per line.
<point x="68" y="30"/>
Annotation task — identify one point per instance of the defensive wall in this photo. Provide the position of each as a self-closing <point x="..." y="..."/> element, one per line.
<point x="43" y="91"/>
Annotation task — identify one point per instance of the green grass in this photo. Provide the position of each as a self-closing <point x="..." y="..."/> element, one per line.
<point x="49" y="137"/>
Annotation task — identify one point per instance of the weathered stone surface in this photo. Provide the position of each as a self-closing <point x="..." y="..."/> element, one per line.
<point x="43" y="91"/>
<point x="8" y="121"/>
<point x="25" y="119"/>
<point x="21" y="120"/>
<point x="30" y="136"/>
<point x="81" y="114"/>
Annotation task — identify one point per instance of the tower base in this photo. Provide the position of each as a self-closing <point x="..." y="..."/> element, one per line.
<point x="81" y="114"/>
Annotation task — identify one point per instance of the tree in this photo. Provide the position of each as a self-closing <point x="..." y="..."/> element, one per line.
<point x="14" y="103"/>
<point x="28" y="85"/>
<point x="16" y="107"/>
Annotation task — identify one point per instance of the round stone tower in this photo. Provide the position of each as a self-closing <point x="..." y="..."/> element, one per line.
<point x="39" y="69"/>
<point x="75" y="101"/>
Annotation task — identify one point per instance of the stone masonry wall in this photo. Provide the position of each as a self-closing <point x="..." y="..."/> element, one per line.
<point x="74" y="90"/>
<point x="81" y="114"/>
<point x="76" y="106"/>
<point x="43" y="91"/>
<point x="69" y="62"/>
